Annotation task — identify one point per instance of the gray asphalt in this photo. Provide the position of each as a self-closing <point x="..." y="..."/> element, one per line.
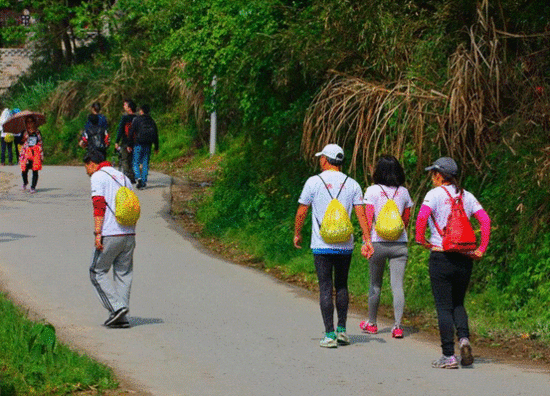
<point x="201" y="325"/>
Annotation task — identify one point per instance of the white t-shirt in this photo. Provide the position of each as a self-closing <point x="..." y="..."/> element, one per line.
<point x="315" y="194"/>
<point x="103" y="185"/>
<point x="375" y="196"/>
<point x="3" y="118"/>
<point x="440" y="204"/>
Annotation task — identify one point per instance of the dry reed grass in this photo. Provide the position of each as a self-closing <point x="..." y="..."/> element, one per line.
<point x="189" y="95"/>
<point x="375" y="117"/>
<point x="390" y="117"/>
<point x="134" y="74"/>
<point x="63" y="102"/>
<point x="72" y="96"/>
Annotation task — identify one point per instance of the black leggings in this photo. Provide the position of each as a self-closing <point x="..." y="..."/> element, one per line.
<point x="450" y="275"/>
<point x="25" y="176"/>
<point x="325" y="264"/>
<point x="7" y="146"/>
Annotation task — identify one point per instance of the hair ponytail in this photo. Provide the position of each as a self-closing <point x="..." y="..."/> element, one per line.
<point x="452" y="180"/>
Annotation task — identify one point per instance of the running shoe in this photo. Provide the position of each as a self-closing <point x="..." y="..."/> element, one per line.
<point x="33" y="190"/>
<point x="446" y="362"/>
<point x="24" y="188"/>
<point x="116" y="315"/>
<point x="121" y="323"/>
<point x="329" y="341"/>
<point x="397" y="332"/>
<point x="341" y="336"/>
<point x="368" y="327"/>
<point x="466" y="357"/>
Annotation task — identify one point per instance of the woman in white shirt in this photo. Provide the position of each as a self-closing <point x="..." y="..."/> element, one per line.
<point x="389" y="178"/>
<point x="450" y="271"/>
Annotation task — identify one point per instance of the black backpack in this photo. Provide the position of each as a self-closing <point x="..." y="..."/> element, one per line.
<point x="96" y="138"/>
<point x="147" y="132"/>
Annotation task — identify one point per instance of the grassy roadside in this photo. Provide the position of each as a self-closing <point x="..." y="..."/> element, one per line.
<point x="33" y="362"/>
<point x="192" y="186"/>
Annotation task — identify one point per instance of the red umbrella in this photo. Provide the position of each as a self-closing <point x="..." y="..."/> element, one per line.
<point x="16" y="123"/>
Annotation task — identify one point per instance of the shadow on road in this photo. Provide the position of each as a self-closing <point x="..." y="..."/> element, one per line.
<point x="137" y="321"/>
<point x="9" y="237"/>
<point x="43" y="190"/>
<point x="365" y="338"/>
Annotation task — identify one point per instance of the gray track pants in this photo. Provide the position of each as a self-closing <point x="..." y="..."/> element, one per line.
<point x="118" y="252"/>
<point x="396" y="253"/>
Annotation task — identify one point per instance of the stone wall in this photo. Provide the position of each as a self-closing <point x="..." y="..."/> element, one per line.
<point x="14" y="62"/>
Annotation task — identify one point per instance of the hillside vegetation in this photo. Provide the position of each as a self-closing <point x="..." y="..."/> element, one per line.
<point x="414" y="78"/>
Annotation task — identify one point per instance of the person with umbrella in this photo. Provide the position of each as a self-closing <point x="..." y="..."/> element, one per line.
<point x="32" y="153"/>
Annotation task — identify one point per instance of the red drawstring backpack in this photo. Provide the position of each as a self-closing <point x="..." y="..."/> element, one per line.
<point x="458" y="235"/>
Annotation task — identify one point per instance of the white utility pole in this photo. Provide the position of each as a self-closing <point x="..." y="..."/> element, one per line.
<point x="213" y="121"/>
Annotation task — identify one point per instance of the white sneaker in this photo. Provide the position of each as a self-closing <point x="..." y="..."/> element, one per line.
<point x="328" y="342"/>
<point x="446" y="362"/>
<point x="342" y="338"/>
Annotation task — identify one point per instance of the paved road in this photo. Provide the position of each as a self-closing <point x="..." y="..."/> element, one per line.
<point x="202" y="326"/>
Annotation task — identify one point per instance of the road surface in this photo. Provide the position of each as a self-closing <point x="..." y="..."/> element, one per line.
<point x="203" y="326"/>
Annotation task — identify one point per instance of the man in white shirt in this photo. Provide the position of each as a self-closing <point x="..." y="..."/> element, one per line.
<point x="114" y="243"/>
<point x="331" y="258"/>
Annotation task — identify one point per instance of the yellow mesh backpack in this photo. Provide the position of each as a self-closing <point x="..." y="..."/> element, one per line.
<point x="127" y="207"/>
<point x="389" y="223"/>
<point x="336" y="226"/>
<point x="9" y="138"/>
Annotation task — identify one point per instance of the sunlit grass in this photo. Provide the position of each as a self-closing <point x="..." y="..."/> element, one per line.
<point x="33" y="362"/>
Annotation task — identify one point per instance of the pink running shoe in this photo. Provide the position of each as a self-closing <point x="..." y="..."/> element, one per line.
<point x="397" y="332"/>
<point x="368" y="328"/>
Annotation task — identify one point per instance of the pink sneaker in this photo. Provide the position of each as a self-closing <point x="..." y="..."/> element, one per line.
<point x="397" y="332"/>
<point x="368" y="328"/>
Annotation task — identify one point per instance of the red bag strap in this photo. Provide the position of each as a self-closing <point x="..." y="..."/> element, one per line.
<point x="433" y="217"/>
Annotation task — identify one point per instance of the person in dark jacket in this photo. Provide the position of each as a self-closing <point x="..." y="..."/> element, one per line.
<point x="123" y="141"/>
<point x="145" y="134"/>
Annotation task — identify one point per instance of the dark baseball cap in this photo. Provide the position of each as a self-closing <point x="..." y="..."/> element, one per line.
<point x="444" y="165"/>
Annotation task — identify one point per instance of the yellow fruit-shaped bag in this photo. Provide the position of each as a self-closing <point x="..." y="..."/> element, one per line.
<point x="127" y="208"/>
<point x="389" y="223"/>
<point x="8" y="138"/>
<point x="336" y="226"/>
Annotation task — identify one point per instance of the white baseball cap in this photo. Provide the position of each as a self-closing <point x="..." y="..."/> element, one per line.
<point x="332" y="151"/>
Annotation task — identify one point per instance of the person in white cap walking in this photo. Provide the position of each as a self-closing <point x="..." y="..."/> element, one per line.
<point x="332" y="260"/>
